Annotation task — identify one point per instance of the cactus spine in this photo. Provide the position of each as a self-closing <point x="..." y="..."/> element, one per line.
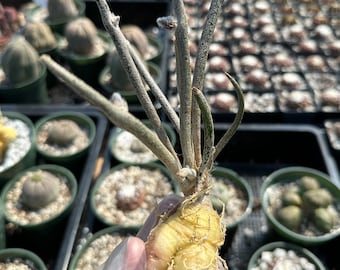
<point x="20" y="61"/>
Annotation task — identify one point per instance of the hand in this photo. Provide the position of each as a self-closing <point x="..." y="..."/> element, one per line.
<point x="130" y="253"/>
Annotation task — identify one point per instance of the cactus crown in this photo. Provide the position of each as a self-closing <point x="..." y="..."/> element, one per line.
<point x="20" y="61"/>
<point x="136" y="36"/>
<point x="61" y="9"/>
<point x="63" y="132"/>
<point x="40" y="189"/>
<point x="40" y="36"/>
<point x="81" y="35"/>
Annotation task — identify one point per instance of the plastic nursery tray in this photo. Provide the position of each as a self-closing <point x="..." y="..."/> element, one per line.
<point x="242" y="22"/>
<point x="57" y="248"/>
<point x="255" y="152"/>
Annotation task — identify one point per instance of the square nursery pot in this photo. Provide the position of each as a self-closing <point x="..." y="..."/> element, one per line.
<point x="126" y="194"/>
<point x="28" y="92"/>
<point x="56" y="247"/>
<point x="65" y="137"/>
<point x="21" y="152"/>
<point x="124" y="147"/>
<point x="96" y="249"/>
<point x="20" y="258"/>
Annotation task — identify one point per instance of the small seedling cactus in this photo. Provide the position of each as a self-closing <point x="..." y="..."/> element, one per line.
<point x="129" y="197"/>
<point x="40" y="36"/>
<point x="290" y="216"/>
<point x="20" y="61"/>
<point x="7" y="135"/>
<point x="81" y="35"/>
<point x="40" y="189"/>
<point x="136" y="36"/>
<point x="61" y="9"/>
<point x="63" y="132"/>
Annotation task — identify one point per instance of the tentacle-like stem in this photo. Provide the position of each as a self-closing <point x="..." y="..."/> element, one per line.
<point x="117" y="116"/>
<point x="183" y="73"/>
<point x="198" y="74"/>
<point x="237" y="120"/>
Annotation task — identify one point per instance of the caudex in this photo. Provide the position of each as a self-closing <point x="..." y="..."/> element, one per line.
<point x="179" y="240"/>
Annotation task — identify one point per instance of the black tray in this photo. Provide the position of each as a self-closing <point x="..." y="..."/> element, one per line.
<point x="58" y="251"/>
<point x="254" y="152"/>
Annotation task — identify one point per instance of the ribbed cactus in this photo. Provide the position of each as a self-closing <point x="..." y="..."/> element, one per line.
<point x="40" y="189"/>
<point x="63" y="132"/>
<point x="40" y="36"/>
<point x="61" y="9"/>
<point x="136" y="36"/>
<point x="20" y="61"/>
<point x="81" y="35"/>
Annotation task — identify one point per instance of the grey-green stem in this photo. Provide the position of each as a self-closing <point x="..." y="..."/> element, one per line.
<point x="120" y="118"/>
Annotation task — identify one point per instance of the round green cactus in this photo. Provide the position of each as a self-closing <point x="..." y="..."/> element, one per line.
<point x="81" y="35"/>
<point x="290" y="216"/>
<point x="40" y="36"/>
<point x="291" y="197"/>
<point x="136" y="36"/>
<point x="61" y="9"/>
<point x="323" y="219"/>
<point x="62" y="132"/>
<point x="20" y="61"/>
<point x="308" y="183"/>
<point x="40" y="189"/>
<point x="316" y="198"/>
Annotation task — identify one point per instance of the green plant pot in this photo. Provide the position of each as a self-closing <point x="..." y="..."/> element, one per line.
<point x="290" y="175"/>
<point x="26" y="255"/>
<point x="87" y="68"/>
<point x="28" y="159"/>
<point x="74" y="160"/>
<point x="231" y="177"/>
<point x="112" y="230"/>
<point x="152" y="166"/>
<point x="116" y="132"/>
<point x="29" y="92"/>
<point x="48" y="231"/>
<point x="105" y="82"/>
<point x="300" y="251"/>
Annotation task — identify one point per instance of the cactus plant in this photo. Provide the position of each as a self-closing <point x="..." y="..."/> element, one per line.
<point x="40" y="36"/>
<point x="323" y="219"/>
<point x="20" y="61"/>
<point x="40" y="188"/>
<point x="290" y="216"/>
<point x="129" y="197"/>
<point x="81" y="35"/>
<point x="63" y="132"/>
<point x="61" y="9"/>
<point x="136" y="36"/>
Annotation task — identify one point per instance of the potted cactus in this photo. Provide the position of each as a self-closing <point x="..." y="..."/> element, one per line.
<point x="36" y="201"/>
<point x="125" y="194"/>
<point x="302" y="205"/>
<point x="64" y="138"/>
<point x="147" y="44"/>
<point x="24" y="77"/>
<point x="85" y="49"/>
<point x="56" y="13"/>
<point x="17" y="147"/>
<point x="195" y="228"/>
